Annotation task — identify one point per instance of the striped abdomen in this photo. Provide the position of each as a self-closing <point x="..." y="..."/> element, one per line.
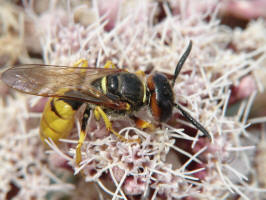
<point x="58" y="118"/>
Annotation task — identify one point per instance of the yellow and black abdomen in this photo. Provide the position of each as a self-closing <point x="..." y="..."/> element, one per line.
<point x="58" y="118"/>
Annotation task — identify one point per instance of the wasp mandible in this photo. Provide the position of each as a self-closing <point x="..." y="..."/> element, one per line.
<point x="104" y="90"/>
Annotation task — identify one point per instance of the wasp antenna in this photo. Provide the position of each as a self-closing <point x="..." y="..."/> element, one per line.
<point x="194" y="122"/>
<point x="181" y="62"/>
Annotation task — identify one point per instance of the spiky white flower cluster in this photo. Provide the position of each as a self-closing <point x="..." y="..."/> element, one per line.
<point x="24" y="171"/>
<point x="172" y="161"/>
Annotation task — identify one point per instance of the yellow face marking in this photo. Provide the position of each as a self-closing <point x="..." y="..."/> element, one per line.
<point x="103" y="84"/>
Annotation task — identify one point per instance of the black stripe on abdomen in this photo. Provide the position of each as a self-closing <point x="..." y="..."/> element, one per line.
<point x="53" y="108"/>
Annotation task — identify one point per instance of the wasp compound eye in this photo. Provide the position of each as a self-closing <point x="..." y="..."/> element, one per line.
<point x="162" y="100"/>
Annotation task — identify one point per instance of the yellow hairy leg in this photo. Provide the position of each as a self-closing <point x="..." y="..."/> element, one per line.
<point x="109" y="65"/>
<point x="82" y="62"/>
<point x="83" y="135"/>
<point x="82" y="138"/>
<point x="142" y="124"/>
<point x="140" y="73"/>
<point x="98" y="112"/>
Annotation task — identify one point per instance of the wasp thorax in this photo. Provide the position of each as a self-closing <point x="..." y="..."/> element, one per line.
<point x="161" y="99"/>
<point x="112" y="84"/>
<point x="126" y="87"/>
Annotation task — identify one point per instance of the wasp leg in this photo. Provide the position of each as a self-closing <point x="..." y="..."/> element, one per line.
<point x="109" y="65"/>
<point x="142" y="124"/>
<point x="98" y="112"/>
<point x="81" y="62"/>
<point x="140" y="73"/>
<point x="83" y="135"/>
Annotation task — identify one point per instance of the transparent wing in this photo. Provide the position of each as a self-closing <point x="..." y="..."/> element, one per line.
<point x="61" y="81"/>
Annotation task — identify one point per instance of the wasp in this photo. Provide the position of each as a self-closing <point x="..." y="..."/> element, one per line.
<point x="105" y="90"/>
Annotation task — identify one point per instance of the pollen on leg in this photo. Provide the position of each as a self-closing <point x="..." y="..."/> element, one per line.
<point x="109" y="65"/>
